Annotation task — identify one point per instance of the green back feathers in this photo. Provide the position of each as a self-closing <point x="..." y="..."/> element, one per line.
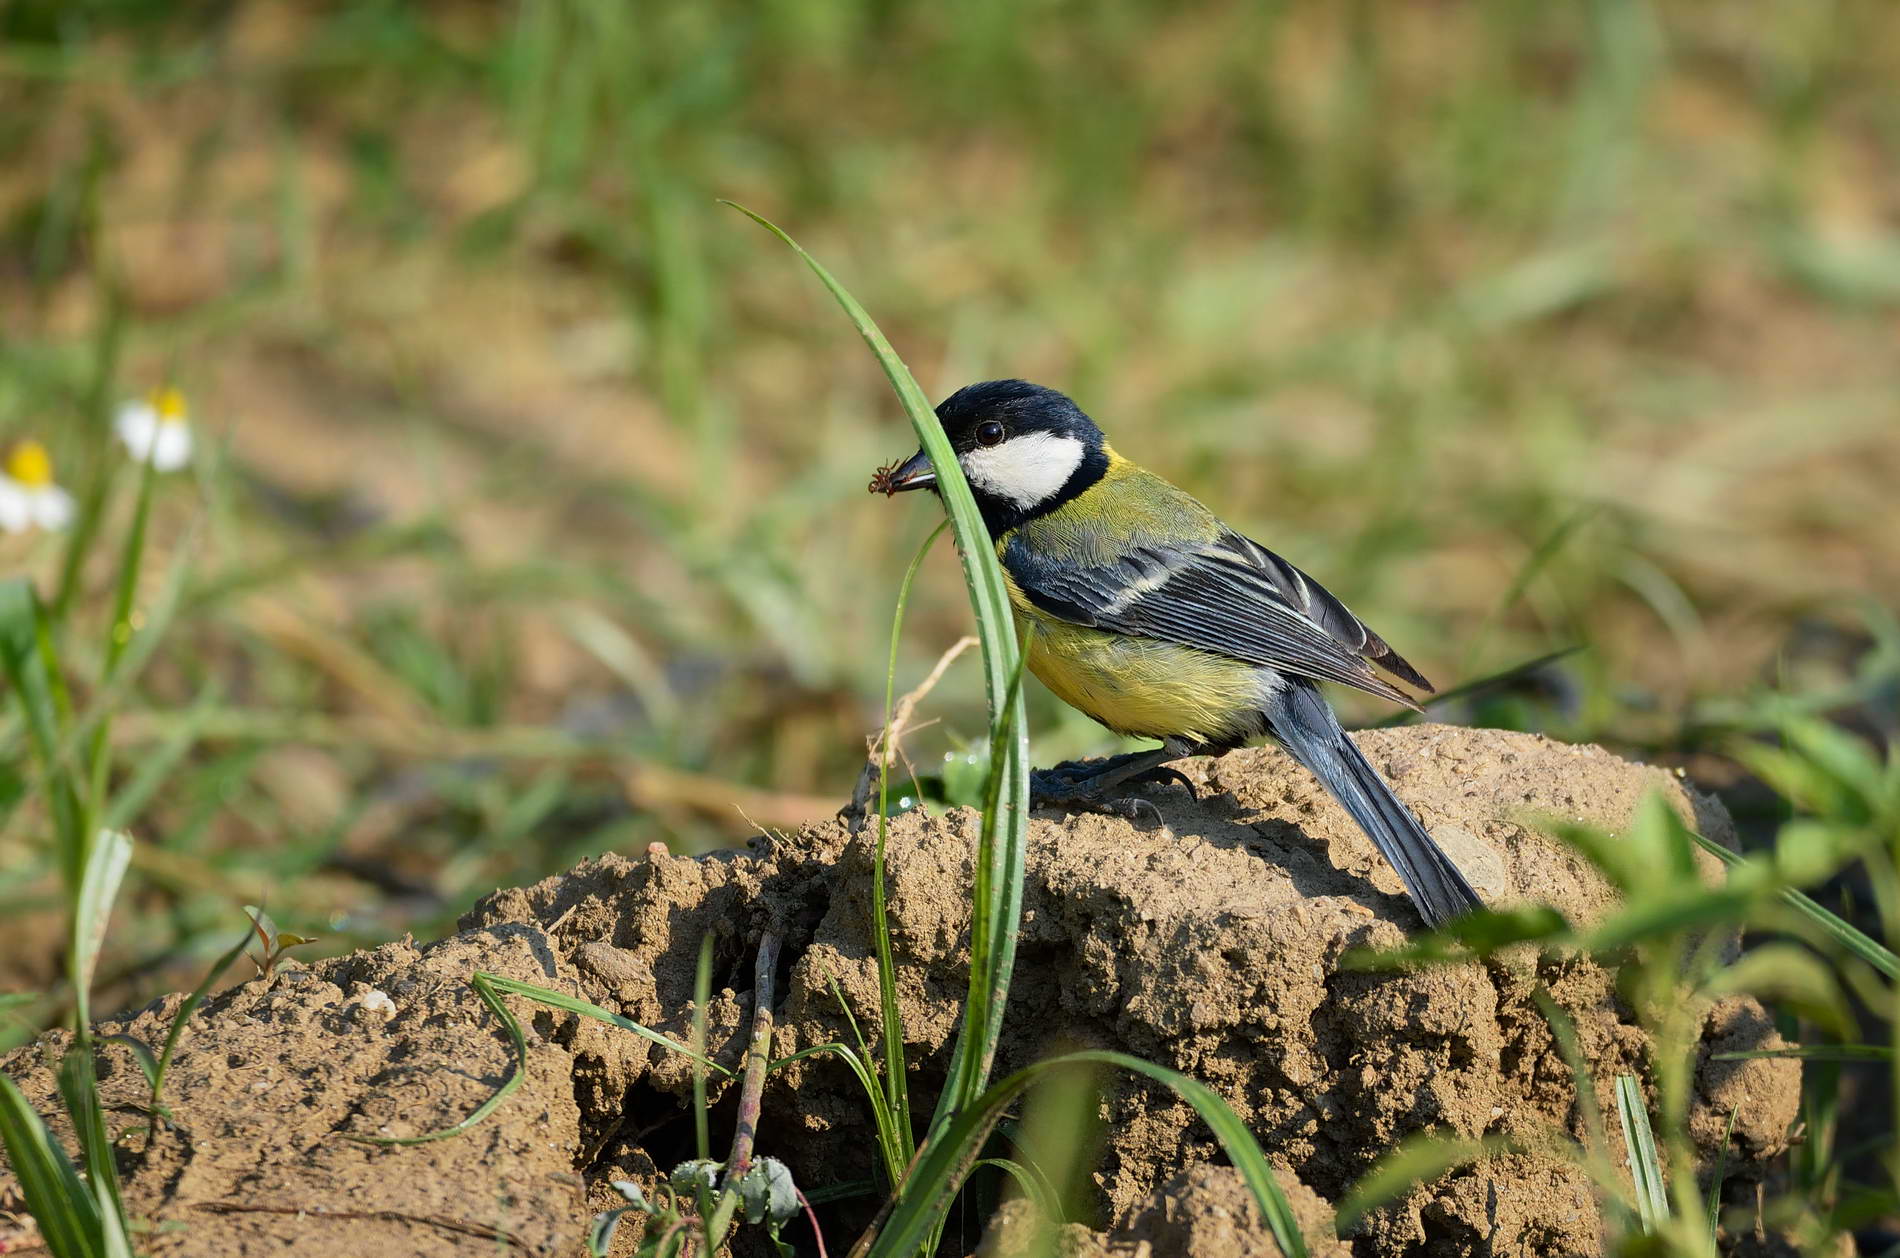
<point x="1129" y="507"/>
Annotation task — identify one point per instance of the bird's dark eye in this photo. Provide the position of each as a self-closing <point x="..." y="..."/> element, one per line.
<point x="989" y="432"/>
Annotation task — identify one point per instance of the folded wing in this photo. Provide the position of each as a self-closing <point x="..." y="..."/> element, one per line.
<point x="1229" y="596"/>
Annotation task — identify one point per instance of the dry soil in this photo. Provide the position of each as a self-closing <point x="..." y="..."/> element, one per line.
<point x="1206" y="934"/>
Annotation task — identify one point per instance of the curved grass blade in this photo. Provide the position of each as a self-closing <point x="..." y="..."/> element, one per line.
<point x="1420" y="1158"/>
<point x="1005" y="828"/>
<point x="55" y="1195"/>
<point x="953" y="1149"/>
<point x="572" y="1004"/>
<point x="887" y="1138"/>
<point x="1035" y="1185"/>
<point x="1721" y="1173"/>
<point x="1512" y="673"/>
<point x="155" y="1065"/>
<point x="28" y="663"/>
<point x="485" y="986"/>
<point x="1861" y="945"/>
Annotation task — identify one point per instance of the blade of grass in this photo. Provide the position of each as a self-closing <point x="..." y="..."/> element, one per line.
<point x="1816" y="1052"/>
<point x="1721" y="1173"/>
<point x="1512" y="673"/>
<point x="702" y="992"/>
<point x="1005" y="828"/>
<point x="79" y="1088"/>
<point x="489" y="988"/>
<point x="55" y="1195"/>
<point x="991" y="955"/>
<point x="887" y="1138"/>
<point x="92" y="910"/>
<point x="1035" y="1186"/>
<point x="946" y="1159"/>
<point x="896" y="1081"/>
<point x="1419" y="1158"/>
<point x="1861" y="945"/>
<point x="119" y="633"/>
<point x="183" y="1016"/>
<point x="28" y="660"/>
<point x="1570" y="1048"/>
<point x="898" y="1147"/>
<point x="1652" y="1197"/>
<point x="572" y="1004"/>
<point x="1527" y="572"/>
<point x="98" y="404"/>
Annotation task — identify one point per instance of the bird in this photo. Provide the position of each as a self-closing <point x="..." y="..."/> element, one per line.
<point x="1143" y="610"/>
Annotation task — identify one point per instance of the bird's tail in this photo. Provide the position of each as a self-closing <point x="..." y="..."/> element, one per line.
<point x="1300" y="719"/>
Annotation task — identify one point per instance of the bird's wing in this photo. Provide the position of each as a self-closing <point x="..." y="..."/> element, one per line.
<point x="1229" y="596"/>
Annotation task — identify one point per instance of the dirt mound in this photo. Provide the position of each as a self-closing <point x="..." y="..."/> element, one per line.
<point x="1206" y="936"/>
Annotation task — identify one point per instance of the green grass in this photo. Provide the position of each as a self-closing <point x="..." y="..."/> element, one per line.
<point x="1466" y="366"/>
<point x="528" y="480"/>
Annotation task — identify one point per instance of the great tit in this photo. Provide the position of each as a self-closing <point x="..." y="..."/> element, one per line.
<point x="1144" y="611"/>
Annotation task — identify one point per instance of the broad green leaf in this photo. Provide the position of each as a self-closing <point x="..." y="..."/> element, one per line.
<point x="1808" y="851"/>
<point x="1689" y="911"/>
<point x="1661" y="843"/>
<point x="767" y="1192"/>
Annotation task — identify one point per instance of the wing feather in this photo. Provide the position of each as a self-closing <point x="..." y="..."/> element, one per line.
<point x="1228" y="596"/>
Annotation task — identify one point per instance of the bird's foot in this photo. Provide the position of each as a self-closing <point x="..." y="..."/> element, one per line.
<point x="1087" y="786"/>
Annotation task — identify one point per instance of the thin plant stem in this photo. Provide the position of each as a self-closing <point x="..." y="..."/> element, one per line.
<point x="896" y="1085"/>
<point x="751" y="1092"/>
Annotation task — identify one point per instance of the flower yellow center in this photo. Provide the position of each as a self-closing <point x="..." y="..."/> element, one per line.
<point x="29" y="464"/>
<point x="170" y="405"/>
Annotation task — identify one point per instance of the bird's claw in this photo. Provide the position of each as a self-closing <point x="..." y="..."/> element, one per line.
<point x="1128" y="808"/>
<point x="1071" y="786"/>
<point x="1162" y="774"/>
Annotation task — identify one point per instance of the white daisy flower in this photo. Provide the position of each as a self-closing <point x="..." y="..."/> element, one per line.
<point x="155" y="431"/>
<point x="28" y="497"/>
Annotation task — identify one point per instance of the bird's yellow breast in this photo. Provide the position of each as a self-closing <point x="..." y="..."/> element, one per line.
<point x="1139" y="686"/>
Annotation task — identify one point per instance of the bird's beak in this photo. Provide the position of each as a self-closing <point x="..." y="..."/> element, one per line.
<point x="914" y="473"/>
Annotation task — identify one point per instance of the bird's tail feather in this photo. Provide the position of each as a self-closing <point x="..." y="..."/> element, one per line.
<point x="1303" y="723"/>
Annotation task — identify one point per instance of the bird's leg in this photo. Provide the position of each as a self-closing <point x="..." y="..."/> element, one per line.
<point x="1085" y="783"/>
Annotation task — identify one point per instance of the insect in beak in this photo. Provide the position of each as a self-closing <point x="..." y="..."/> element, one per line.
<point x="914" y="473"/>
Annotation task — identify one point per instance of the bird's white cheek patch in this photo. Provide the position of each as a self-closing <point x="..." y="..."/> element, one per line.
<point x="1025" y="470"/>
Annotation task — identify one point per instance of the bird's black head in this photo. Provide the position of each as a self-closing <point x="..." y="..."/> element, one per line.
<point x="1025" y="450"/>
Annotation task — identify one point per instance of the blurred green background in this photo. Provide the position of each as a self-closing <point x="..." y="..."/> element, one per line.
<point x="528" y="518"/>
